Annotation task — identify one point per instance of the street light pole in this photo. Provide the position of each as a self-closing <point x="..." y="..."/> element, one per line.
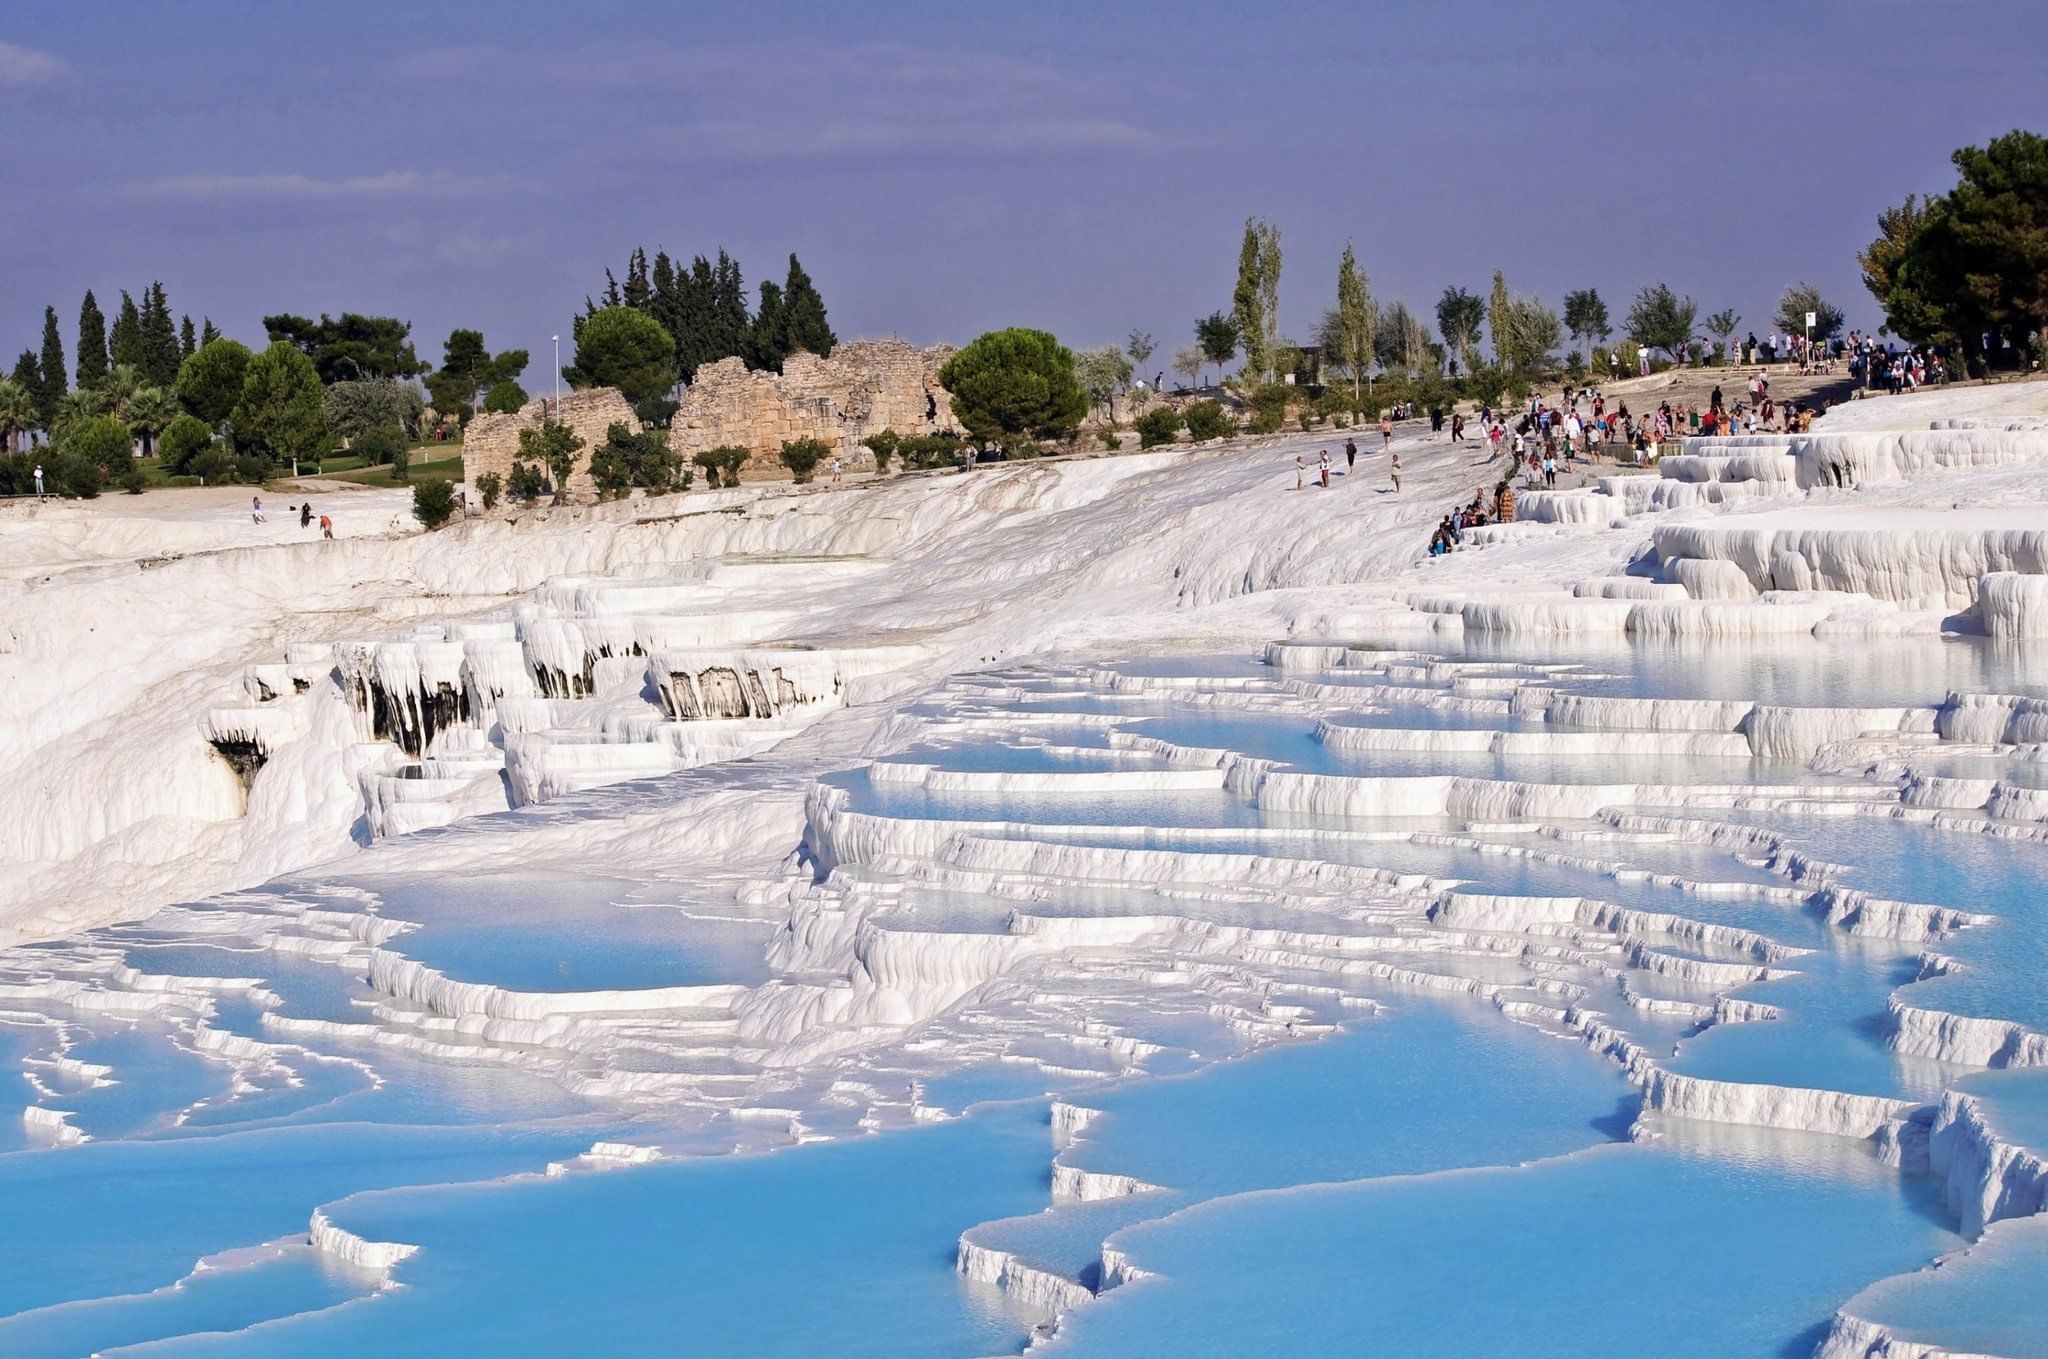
<point x="558" y="375"/>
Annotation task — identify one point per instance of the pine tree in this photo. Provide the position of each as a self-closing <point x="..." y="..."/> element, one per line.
<point x="187" y="340"/>
<point x="160" y="357"/>
<point x="803" y="315"/>
<point x="124" y="341"/>
<point x="207" y="332"/>
<point x="51" y="380"/>
<point x="92" y="342"/>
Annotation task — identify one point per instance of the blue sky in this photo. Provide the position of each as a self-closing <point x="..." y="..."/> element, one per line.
<point x="946" y="168"/>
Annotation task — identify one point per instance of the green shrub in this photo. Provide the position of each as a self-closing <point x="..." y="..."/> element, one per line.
<point x="627" y="459"/>
<point x="1160" y="425"/>
<point x="213" y="465"/>
<point x="102" y="440"/>
<point x="1266" y="421"/>
<point x="378" y="445"/>
<point x="1307" y="421"/>
<point x="181" y="442"/>
<point x="883" y="446"/>
<point x="433" y="501"/>
<point x="1025" y="450"/>
<point x="722" y="464"/>
<point x="488" y="487"/>
<point x="802" y="456"/>
<point x="526" y="483"/>
<point x="132" y="481"/>
<point x="253" y="469"/>
<point x="942" y="449"/>
<point x="1112" y="442"/>
<point x="1208" y="420"/>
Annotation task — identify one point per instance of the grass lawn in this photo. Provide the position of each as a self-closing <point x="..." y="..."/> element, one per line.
<point x="448" y="469"/>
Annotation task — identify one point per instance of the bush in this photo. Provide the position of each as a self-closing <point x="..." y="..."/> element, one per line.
<point x="132" y="481"/>
<point x="488" y="487"/>
<point x="526" y="482"/>
<point x="433" y="502"/>
<point x="1266" y="422"/>
<point x="401" y="466"/>
<point x="1112" y="442"/>
<point x="930" y="450"/>
<point x="883" y="446"/>
<point x="802" y="456"/>
<point x="181" y="442"/>
<point x="1207" y="420"/>
<point x="654" y="412"/>
<point x="722" y="464"/>
<point x="102" y="440"/>
<point x="1307" y="420"/>
<point x="213" y="465"/>
<point x="1160" y="425"/>
<point x="378" y="445"/>
<point x="253" y="469"/>
<point x="1025" y="450"/>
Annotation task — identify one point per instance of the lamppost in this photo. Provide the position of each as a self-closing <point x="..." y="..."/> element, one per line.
<point x="558" y="375"/>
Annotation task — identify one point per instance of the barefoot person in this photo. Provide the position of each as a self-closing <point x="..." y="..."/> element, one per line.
<point x="256" y="509"/>
<point x="1394" y="469"/>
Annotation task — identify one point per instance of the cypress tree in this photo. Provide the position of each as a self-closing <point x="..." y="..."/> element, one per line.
<point x="125" y="340"/>
<point x="159" y="339"/>
<point x="730" y="319"/>
<point x="187" y="340"/>
<point x="51" y="380"/>
<point x="803" y="315"/>
<point x="92" y="343"/>
<point x="767" y="338"/>
<point x="29" y="374"/>
<point x="207" y="332"/>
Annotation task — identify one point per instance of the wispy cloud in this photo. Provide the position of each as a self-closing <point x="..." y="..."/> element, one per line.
<point x="24" y="68"/>
<point x="295" y="188"/>
<point x="788" y="99"/>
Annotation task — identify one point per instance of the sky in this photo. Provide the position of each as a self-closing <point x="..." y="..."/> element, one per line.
<point x="947" y="168"/>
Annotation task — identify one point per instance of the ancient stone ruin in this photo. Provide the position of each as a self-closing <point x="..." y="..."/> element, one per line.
<point x="865" y="387"/>
<point x="491" y="442"/>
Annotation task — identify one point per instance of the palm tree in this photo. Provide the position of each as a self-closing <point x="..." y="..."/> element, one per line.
<point x="119" y="389"/>
<point x="17" y="413"/>
<point x="83" y="404"/>
<point x="148" y="412"/>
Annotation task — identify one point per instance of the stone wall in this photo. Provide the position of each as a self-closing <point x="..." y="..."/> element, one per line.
<point x="492" y="441"/>
<point x="865" y="387"/>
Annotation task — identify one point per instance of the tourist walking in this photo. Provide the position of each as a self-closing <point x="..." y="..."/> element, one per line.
<point x="256" y="509"/>
<point x="1549" y="470"/>
<point x="1394" y="469"/>
<point x="1323" y="469"/>
<point x="1300" y="473"/>
<point x="39" y="481"/>
<point x="306" y="515"/>
<point x="1350" y="455"/>
<point x="326" y="527"/>
<point x="1386" y="433"/>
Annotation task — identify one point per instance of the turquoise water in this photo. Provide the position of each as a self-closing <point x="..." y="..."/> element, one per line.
<point x="842" y="1249"/>
<point x="1618" y="1251"/>
<point x="1446" y="1175"/>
